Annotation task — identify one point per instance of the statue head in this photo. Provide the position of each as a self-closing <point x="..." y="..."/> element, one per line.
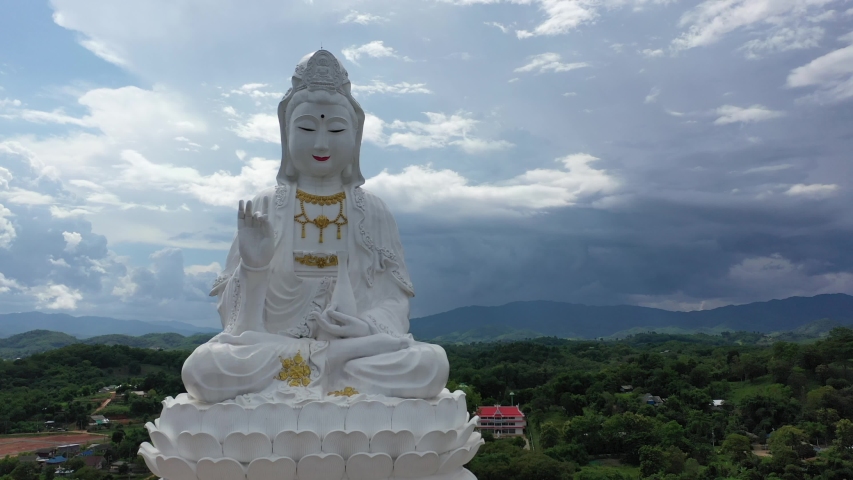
<point x="321" y="123"/>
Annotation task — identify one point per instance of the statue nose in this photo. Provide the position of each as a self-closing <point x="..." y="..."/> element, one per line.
<point x="322" y="142"/>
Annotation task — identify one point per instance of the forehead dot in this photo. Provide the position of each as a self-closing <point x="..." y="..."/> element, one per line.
<point x="322" y="116"/>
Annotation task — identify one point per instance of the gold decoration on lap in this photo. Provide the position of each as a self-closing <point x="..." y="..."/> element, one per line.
<point x="346" y="392"/>
<point x="295" y="371"/>
<point x="319" y="261"/>
<point x="321" y="221"/>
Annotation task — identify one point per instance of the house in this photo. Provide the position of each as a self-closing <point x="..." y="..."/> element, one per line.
<point x="99" y="420"/>
<point x="717" y="404"/>
<point x="501" y="420"/>
<point x="626" y="388"/>
<point x="57" y="460"/>
<point x="652" y="400"/>
<point x="68" y="450"/>
<point x="95" y="461"/>
<point x="46" y="452"/>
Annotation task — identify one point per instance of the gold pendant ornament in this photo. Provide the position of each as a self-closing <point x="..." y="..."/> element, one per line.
<point x="319" y="261"/>
<point x="321" y="221"/>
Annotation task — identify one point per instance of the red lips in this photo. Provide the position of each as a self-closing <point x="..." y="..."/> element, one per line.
<point x="320" y="159"/>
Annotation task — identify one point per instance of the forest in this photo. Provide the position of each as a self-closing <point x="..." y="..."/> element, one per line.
<point x="786" y="407"/>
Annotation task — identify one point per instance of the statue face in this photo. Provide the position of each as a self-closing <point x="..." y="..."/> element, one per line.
<point x="321" y="139"/>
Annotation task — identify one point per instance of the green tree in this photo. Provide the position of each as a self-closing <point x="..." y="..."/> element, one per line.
<point x="844" y="433"/>
<point x="786" y="438"/>
<point x="737" y="446"/>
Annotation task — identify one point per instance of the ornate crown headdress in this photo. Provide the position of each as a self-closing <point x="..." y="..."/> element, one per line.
<point x="321" y="72"/>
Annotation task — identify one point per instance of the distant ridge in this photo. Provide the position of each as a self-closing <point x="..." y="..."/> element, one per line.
<point x="568" y="320"/>
<point x="83" y="327"/>
<point x="38" y="341"/>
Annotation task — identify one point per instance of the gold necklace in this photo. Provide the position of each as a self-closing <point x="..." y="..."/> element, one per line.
<point x="321" y="221"/>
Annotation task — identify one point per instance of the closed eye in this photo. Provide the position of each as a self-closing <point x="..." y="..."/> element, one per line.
<point x="306" y="129"/>
<point x="337" y="131"/>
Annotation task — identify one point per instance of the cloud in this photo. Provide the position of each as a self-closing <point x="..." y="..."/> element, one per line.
<point x="57" y="297"/>
<point x="377" y="86"/>
<point x="711" y="20"/>
<point x="755" y="113"/>
<point x="815" y="190"/>
<point x="783" y="39"/>
<point x="7" y="230"/>
<point x="649" y="53"/>
<point x="497" y="25"/>
<point x="219" y="188"/>
<point x="426" y="190"/>
<point x="374" y="49"/>
<point x="831" y="74"/>
<point x="769" y="168"/>
<point x="7" y="102"/>
<point x="262" y="127"/>
<point x="652" y="96"/>
<point x="100" y="48"/>
<point x="563" y="17"/>
<point x="126" y="113"/>
<point x="255" y="91"/>
<point x="362" y="18"/>
<point x="545" y="62"/>
<point x="72" y="239"/>
<point x="440" y="131"/>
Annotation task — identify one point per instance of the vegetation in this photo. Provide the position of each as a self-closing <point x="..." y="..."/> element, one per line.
<point x="787" y="407"/>
<point x="787" y="412"/>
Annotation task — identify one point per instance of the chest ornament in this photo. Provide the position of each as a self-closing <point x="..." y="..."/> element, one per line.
<point x="321" y="221"/>
<point x="319" y="261"/>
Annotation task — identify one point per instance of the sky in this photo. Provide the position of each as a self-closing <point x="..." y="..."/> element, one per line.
<point x="665" y="153"/>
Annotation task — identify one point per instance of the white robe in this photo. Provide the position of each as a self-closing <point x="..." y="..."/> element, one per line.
<point x="230" y="365"/>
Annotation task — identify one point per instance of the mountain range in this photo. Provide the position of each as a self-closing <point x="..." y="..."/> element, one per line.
<point x="84" y="327"/>
<point x="569" y="320"/>
<point x="513" y="321"/>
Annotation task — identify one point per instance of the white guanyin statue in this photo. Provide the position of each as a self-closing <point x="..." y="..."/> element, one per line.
<point x="315" y="375"/>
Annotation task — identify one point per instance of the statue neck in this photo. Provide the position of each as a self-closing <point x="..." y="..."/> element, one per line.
<point x="320" y="185"/>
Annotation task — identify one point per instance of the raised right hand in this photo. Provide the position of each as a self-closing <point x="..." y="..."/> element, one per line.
<point x="255" y="235"/>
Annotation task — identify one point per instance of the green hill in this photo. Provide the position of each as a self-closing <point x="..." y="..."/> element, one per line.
<point x="38" y="341"/>
<point x="32" y="342"/>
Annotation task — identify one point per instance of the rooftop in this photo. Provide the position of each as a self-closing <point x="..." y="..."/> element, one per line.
<point x="499" y="411"/>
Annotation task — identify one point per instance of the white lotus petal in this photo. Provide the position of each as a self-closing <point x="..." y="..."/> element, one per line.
<point x="437" y="441"/>
<point x="220" y="469"/>
<point x="416" y="416"/>
<point x="197" y="446"/>
<point x="369" y="417"/>
<point x="321" y="418"/>
<point x="180" y="418"/>
<point x="322" y="466"/>
<point x="457" y="458"/>
<point x="464" y="433"/>
<point x="278" y="468"/>
<point x="162" y="442"/>
<point x="176" y="468"/>
<point x="445" y="414"/>
<point x="245" y="447"/>
<point x="221" y="419"/>
<point x="296" y="445"/>
<point x="273" y="418"/>
<point x="461" y="408"/>
<point x="369" y="466"/>
<point x="149" y="454"/>
<point x="392" y="443"/>
<point x="416" y="464"/>
<point x="345" y="443"/>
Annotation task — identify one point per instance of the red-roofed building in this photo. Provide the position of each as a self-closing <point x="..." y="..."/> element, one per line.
<point x="502" y="421"/>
